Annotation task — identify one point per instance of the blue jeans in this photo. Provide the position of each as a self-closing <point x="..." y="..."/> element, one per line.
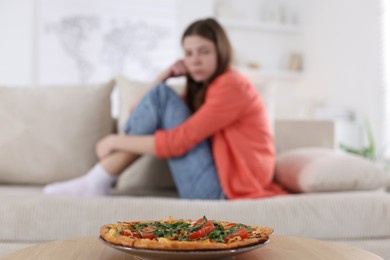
<point x="194" y="173"/>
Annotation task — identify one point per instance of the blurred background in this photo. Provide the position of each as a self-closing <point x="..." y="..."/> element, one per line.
<point x="310" y="59"/>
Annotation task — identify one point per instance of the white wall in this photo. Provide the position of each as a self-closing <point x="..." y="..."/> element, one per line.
<point x="342" y="61"/>
<point x="18" y="38"/>
<point x="16" y="42"/>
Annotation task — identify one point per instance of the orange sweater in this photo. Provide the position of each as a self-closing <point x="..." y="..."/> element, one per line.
<point x="234" y="117"/>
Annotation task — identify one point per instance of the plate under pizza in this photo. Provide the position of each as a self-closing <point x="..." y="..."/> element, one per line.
<point x="156" y="254"/>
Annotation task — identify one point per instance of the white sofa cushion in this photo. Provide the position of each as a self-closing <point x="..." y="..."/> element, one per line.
<point x="342" y="215"/>
<point x="148" y="175"/>
<point x="130" y="92"/>
<point x="49" y="134"/>
<point x="322" y="170"/>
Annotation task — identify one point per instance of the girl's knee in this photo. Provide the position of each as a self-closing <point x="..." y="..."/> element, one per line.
<point x="159" y="91"/>
<point x="163" y="94"/>
<point x="164" y="89"/>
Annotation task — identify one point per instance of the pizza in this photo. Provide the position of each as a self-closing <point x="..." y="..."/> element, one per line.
<point x="182" y="235"/>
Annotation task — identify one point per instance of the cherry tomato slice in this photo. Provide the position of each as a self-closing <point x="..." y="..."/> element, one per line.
<point x="197" y="234"/>
<point x="203" y="231"/>
<point x="148" y="233"/>
<point x="230" y="225"/>
<point x="124" y="233"/>
<point x="198" y="221"/>
<point x="208" y="227"/>
<point x="130" y="234"/>
<point x="241" y="232"/>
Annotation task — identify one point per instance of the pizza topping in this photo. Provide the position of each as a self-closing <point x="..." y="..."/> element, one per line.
<point x="241" y="232"/>
<point x="148" y="232"/>
<point x="181" y="230"/>
<point x="203" y="227"/>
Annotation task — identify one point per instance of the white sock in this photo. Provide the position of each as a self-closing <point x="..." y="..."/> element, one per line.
<point x="97" y="182"/>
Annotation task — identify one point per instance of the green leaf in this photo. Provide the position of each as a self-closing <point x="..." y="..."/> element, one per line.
<point x="366" y="152"/>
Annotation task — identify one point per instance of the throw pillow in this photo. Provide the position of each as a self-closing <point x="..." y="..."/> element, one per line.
<point x="49" y="134"/>
<point x="130" y="92"/>
<point x="322" y="170"/>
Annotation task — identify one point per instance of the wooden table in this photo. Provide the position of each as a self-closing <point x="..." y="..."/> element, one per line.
<point x="279" y="248"/>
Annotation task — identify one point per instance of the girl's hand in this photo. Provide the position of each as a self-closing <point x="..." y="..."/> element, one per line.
<point x="105" y="146"/>
<point x="177" y="69"/>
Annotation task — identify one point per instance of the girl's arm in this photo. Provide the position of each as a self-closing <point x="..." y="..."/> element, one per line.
<point x="177" y="69"/>
<point x="227" y="98"/>
<point x="140" y="144"/>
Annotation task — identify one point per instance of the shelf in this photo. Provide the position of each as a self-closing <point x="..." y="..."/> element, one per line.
<point x="263" y="26"/>
<point x="261" y="76"/>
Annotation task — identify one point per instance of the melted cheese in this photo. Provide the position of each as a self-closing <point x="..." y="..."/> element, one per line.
<point x="112" y="232"/>
<point x="163" y="240"/>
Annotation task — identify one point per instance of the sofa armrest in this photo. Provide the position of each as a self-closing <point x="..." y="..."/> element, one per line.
<point x="293" y="133"/>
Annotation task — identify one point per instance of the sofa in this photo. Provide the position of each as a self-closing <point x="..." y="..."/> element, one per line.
<point x="48" y="134"/>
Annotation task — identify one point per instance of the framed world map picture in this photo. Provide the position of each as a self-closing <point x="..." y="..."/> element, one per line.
<point x="86" y="41"/>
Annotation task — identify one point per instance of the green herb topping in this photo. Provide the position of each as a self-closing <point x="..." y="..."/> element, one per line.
<point x="202" y="229"/>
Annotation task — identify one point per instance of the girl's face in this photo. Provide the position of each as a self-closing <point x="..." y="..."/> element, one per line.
<point x="200" y="57"/>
